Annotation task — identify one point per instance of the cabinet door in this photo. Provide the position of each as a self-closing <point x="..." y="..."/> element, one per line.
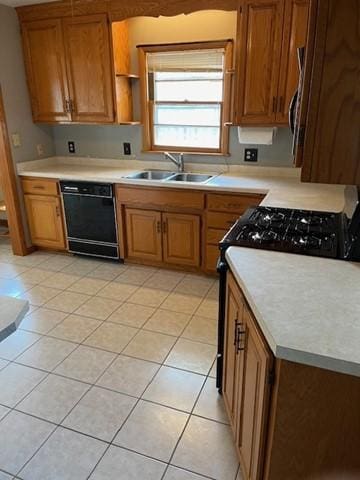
<point x="295" y="35"/>
<point x="45" y="221"/>
<point x="259" y="36"/>
<point x="233" y="357"/>
<point x="87" y="42"/>
<point x="44" y="57"/>
<point x="143" y="234"/>
<point x="181" y="239"/>
<point x="255" y="392"/>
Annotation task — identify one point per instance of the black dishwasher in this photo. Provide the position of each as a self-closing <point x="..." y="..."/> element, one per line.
<point x="90" y="218"/>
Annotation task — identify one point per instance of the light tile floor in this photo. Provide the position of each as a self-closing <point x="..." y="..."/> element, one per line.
<point x="111" y="375"/>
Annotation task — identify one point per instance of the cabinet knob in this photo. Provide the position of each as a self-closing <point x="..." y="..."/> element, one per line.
<point x="57" y="211"/>
<point x="274" y="105"/>
<point x="158" y="226"/>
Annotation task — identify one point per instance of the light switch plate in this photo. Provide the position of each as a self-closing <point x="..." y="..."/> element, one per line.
<point x="40" y="149"/>
<point x="16" y="139"/>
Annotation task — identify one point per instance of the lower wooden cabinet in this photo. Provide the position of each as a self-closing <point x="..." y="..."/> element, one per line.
<point x="248" y="364"/>
<point x="45" y="221"/>
<point x="143" y="234"/>
<point x="172" y="238"/>
<point x="181" y="239"/>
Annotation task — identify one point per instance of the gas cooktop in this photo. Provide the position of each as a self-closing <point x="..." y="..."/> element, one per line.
<point x="287" y="230"/>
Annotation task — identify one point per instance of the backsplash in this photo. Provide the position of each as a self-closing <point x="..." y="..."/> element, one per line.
<point x="106" y="141"/>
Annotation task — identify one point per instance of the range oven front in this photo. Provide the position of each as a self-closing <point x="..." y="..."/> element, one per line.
<point x="90" y="218"/>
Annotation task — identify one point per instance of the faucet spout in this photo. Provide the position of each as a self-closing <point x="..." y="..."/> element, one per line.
<point x="179" y="161"/>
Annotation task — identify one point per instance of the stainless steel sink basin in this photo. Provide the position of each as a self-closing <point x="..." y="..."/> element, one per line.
<point x="151" y="175"/>
<point x="190" y="177"/>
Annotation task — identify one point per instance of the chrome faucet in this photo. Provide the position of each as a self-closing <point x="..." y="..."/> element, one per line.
<point x="179" y="161"/>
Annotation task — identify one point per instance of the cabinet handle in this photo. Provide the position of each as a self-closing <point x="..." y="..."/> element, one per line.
<point x="72" y="108"/>
<point x="281" y="104"/>
<point x="164" y="227"/>
<point x="57" y="211"/>
<point x="38" y="187"/>
<point x="67" y="106"/>
<point x="158" y="226"/>
<point x="236" y="323"/>
<point x="240" y="331"/>
<point x="274" y="105"/>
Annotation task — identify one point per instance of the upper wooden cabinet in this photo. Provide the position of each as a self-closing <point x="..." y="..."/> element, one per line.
<point x="69" y="69"/>
<point x="268" y="35"/>
<point x="46" y="72"/>
<point x="329" y="121"/>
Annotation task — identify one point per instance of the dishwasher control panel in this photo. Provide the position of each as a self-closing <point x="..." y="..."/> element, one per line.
<point x="87" y="188"/>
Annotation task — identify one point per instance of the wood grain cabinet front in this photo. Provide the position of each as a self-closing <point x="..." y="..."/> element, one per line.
<point x="69" y="69"/>
<point x="143" y="234"/>
<point x="44" y="215"/>
<point x="268" y="35"/>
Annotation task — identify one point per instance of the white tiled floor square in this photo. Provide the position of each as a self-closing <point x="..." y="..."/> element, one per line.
<point x="149" y="297"/>
<point x="131" y="314"/>
<point x="75" y="328"/>
<point x="150" y="346"/>
<point x="111" y="337"/>
<point x="165" y="321"/>
<point x="120" y="464"/>
<point x="194" y="356"/>
<point x="201" y="329"/>
<point x="207" y="448"/>
<point x="178" y="302"/>
<point x="39" y="295"/>
<point x="42" y="320"/>
<point x="175" y="388"/>
<point x="174" y="473"/>
<point x="129" y="375"/>
<point x="47" y="353"/>
<point x="53" y="398"/>
<point x="152" y="430"/>
<point x="24" y="435"/>
<point x="17" y="381"/>
<point x="85" y="364"/>
<point x="97" y="307"/>
<point x="211" y="403"/>
<point x="16" y="343"/>
<point x="100" y="413"/>
<point x="66" y="455"/>
<point x="67" y="301"/>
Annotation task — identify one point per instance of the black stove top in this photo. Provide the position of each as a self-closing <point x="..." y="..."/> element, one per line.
<point x="287" y="230"/>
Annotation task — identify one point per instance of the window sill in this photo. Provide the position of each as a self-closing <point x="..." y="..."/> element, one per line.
<point x="188" y="152"/>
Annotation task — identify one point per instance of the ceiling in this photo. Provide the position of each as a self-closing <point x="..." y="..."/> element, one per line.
<point x="18" y="3"/>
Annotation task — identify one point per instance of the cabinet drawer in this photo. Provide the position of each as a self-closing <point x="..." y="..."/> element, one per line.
<point x="39" y="186"/>
<point x="221" y="220"/>
<point x="212" y="254"/>
<point x="232" y="203"/>
<point x="213" y="236"/>
<point x="160" y="197"/>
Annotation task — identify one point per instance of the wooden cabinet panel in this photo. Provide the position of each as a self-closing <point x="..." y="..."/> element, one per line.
<point x="221" y="220"/>
<point x="213" y="235"/>
<point x="232" y="203"/>
<point x="143" y="234"/>
<point x="45" y="221"/>
<point x="255" y="400"/>
<point x="211" y="257"/>
<point x="260" y="25"/>
<point x="330" y="121"/>
<point x="160" y="197"/>
<point x="89" y="68"/>
<point x="39" y="186"/>
<point x="233" y="357"/>
<point x="181" y="239"/>
<point x="294" y="36"/>
<point x="46" y="73"/>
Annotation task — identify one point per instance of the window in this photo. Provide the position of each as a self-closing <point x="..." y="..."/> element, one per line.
<point x="186" y="97"/>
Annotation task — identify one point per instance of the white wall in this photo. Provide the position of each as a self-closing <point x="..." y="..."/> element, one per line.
<point x="15" y="92"/>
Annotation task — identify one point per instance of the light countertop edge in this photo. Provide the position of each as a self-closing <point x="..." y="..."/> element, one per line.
<point x="12" y="311"/>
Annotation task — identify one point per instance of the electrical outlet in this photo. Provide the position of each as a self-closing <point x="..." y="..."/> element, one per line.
<point x="71" y="147"/>
<point x="127" y="148"/>
<point x="40" y="149"/>
<point x="251" y="155"/>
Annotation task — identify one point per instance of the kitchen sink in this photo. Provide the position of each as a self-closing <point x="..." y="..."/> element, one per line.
<point x="151" y="175"/>
<point x="190" y="177"/>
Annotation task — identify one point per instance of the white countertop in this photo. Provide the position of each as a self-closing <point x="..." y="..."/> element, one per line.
<point x="307" y="307"/>
<point x="12" y="311"/>
<point x="281" y="186"/>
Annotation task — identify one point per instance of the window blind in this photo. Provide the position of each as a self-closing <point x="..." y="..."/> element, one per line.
<point x="202" y="60"/>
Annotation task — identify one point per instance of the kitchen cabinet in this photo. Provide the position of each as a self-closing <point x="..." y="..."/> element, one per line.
<point x="44" y="56"/>
<point x="69" y="69"/>
<point x="172" y="238"/>
<point x="143" y="234"/>
<point x="222" y="211"/>
<point x="247" y="368"/>
<point x="181" y="239"/>
<point x="268" y="35"/>
<point x="328" y="123"/>
<point x="44" y="213"/>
